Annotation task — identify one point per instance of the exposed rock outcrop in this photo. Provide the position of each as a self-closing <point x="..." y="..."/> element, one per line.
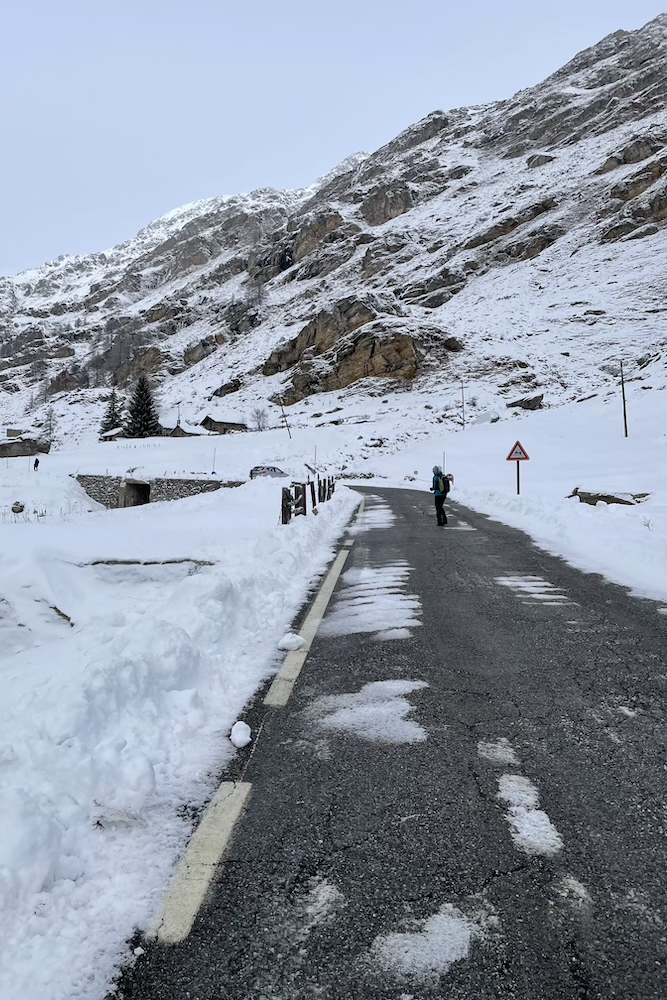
<point x="528" y="402"/>
<point x="65" y="381"/>
<point x="228" y="387"/>
<point x="386" y="202"/>
<point x="507" y="225"/>
<point x="146" y="362"/>
<point x="197" y="352"/>
<point x="435" y="289"/>
<point x="539" y="160"/>
<point x="321" y="334"/>
<point x="636" y="151"/>
<point x="368" y="353"/>
<point x="640" y="181"/>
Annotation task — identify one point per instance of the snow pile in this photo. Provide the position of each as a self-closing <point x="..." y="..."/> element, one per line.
<point x="136" y="637"/>
<point x="241" y="734"/>
<point x="291" y="641"/>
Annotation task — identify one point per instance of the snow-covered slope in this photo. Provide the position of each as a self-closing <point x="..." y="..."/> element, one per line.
<point x="520" y="246"/>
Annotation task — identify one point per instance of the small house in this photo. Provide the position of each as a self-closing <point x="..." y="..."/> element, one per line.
<point x="183" y="431"/>
<point x="222" y="426"/>
<point x="113" y="434"/>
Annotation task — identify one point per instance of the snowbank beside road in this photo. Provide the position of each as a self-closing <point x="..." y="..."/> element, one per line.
<point x="120" y="680"/>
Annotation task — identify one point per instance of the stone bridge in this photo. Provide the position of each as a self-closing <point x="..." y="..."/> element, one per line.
<point x="116" y="491"/>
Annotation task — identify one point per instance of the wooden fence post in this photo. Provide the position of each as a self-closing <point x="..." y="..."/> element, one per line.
<point x="286" y="506"/>
<point x="313" y="502"/>
<point x="299" y="499"/>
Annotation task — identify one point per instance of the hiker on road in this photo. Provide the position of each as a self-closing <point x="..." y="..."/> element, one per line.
<point x="35" y="465"/>
<point x="440" y="488"/>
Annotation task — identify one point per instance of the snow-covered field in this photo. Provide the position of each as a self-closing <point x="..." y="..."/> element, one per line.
<point x="121" y="674"/>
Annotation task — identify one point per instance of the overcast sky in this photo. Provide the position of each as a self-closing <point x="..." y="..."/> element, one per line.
<point x="116" y="111"/>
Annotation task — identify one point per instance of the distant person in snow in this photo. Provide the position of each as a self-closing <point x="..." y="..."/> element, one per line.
<point x="440" y="488"/>
<point x="35" y="466"/>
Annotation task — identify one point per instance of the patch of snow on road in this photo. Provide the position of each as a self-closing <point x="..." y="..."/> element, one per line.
<point x="441" y="940"/>
<point x="372" y="600"/>
<point x="321" y="903"/>
<point x="531" y="829"/>
<point x="376" y="514"/>
<point x="377" y="713"/>
<point x="535" y="588"/>
<point x="574" y="892"/>
<point x="499" y="752"/>
<point x="393" y="633"/>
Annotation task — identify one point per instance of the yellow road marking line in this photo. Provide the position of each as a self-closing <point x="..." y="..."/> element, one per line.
<point x="278" y="694"/>
<point x="193" y="875"/>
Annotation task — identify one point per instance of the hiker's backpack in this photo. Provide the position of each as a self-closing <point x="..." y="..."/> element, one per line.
<point x="443" y="484"/>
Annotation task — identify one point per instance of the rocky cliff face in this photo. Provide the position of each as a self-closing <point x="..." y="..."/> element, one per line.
<point x="442" y="253"/>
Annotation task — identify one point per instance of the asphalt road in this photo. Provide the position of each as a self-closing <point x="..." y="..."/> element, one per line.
<point x="365" y="868"/>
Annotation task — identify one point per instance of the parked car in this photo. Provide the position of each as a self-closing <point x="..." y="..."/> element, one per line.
<point x="267" y="470"/>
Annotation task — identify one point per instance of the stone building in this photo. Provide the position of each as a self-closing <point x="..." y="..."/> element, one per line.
<point x="222" y="426"/>
<point x="20" y="447"/>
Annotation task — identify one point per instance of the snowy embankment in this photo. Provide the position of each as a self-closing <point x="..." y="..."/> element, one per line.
<point x="121" y="676"/>
<point x="579" y="445"/>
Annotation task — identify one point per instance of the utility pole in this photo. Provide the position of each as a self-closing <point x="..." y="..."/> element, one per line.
<point x="282" y="408"/>
<point x="463" y="405"/>
<point x="625" y="411"/>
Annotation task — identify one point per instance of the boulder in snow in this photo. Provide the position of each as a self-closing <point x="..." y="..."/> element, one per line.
<point x="528" y="403"/>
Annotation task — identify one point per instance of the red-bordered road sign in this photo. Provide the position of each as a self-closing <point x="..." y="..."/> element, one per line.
<point x="518" y="454"/>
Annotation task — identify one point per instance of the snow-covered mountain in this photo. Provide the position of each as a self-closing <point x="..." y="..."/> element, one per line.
<point x="520" y="246"/>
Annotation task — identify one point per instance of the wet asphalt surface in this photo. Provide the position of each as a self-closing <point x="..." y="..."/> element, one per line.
<point x="345" y="840"/>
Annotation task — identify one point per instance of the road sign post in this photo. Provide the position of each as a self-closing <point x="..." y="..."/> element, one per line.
<point x="518" y="454"/>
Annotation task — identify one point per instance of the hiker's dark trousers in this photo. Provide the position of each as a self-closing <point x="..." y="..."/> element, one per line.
<point x="440" y="509"/>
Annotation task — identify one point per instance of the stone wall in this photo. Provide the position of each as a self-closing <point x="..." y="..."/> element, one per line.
<point x="105" y="489"/>
<point x="179" y="489"/>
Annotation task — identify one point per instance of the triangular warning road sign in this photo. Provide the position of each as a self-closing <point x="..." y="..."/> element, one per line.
<point x="518" y="454"/>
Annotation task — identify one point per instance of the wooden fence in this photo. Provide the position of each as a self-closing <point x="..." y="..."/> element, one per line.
<point x="298" y="496"/>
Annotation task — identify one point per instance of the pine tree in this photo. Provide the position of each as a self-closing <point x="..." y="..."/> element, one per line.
<point x="141" y="420"/>
<point x="112" y="415"/>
